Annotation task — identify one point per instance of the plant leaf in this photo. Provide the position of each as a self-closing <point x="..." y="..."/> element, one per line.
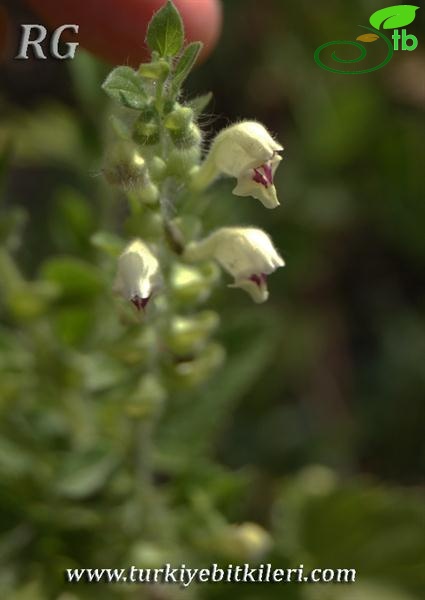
<point x="75" y="277"/>
<point x="124" y="85"/>
<point x="165" y="33"/>
<point x="186" y="63"/>
<point x="199" y="103"/>
<point x="108" y="242"/>
<point x="394" y="16"/>
<point x="84" y="474"/>
<point x="368" y="37"/>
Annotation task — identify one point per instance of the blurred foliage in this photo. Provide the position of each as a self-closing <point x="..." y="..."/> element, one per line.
<point x="329" y="373"/>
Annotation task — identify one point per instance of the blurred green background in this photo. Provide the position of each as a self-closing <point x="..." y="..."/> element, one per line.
<point x="314" y="427"/>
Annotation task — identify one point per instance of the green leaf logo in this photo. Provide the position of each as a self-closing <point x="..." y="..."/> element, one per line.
<point x="394" y="16"/>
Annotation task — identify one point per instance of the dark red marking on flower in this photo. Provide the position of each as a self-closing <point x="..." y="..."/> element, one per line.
<point x="259" y="178"/>
<point x="268" y="173"/>
<point x="140" y="303"/>
<point x="263" y="175"/>
<point x="260" y="279"/>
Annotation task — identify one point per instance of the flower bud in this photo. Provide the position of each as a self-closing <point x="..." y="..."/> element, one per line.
<point x="148" y="193"/>
<point x="244" y="542"/>
<point x="139" y="347"/>
<point x="157" y="168"/>
<point x="149" y="555"/>
<point x="184" y="133"/>
<point x="192" y="285"/>
<point x="138" y="274"/>
<point x="248" y="152"/>
<point x="126" y="167"/>
<point x="195" y="371"/>
<point x="187" y="335"/>
<point x="148" y="399"/>
<point x="187" y="137"/>
<point x="246" y="253"/>
<point x="146" y="134"/>
<point x="181" y="162"/>
<point x="123" y="165"/>
<point x="155" y="70"/>
<point x="179" y="119"/>
<point x="145" y="129"/>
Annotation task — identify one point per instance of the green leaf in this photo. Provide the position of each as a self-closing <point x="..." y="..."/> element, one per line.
<point x="125" y="86"/>
<point x="377" y="531"/>
<point x="75" y="278"/>
<point x="85" y="474"/>
<point x="73" y="220"/>
<point x="394" y="16"/>
<point x="199" y="103"/>
<point x="186" y="63"/>
<point x="108" y="242"/>
<point x="165" y="33"/>
<point x="87" y="74"/>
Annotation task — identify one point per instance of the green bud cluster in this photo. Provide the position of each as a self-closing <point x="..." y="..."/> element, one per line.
<point x="158" y="146"/>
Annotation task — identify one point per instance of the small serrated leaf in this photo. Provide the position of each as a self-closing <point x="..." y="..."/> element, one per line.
<point x="393" y="17"/>
<point x="199" y="103"/>
<point x="368" y="37"/>
<point x="186" y="63"/>
<point x="165" y="32"/>
<point x="125" y="86"/>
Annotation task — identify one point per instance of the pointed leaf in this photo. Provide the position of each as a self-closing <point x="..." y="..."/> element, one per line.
<point x="186" y="63"/>
<point x="165" y="33"/>
<point x="394" y="16"/>
<point x="125" y="86"/>
<point x="199" y="103"/>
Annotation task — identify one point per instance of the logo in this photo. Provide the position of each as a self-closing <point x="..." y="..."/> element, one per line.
<point x="393" y="17"/>
<point x="53" y="47"/>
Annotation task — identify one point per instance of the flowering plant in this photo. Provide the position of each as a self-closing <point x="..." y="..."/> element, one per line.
<point x="171" y="265"/>
<point x="157" y="161"/>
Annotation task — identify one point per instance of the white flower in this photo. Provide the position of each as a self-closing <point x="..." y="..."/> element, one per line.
<point x="246" y="253"/>
<point x="138" y="274"/>
<point x="248" y="152"/>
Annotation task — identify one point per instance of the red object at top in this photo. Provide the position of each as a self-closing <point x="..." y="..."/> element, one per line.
<point x="115" y="30"/>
